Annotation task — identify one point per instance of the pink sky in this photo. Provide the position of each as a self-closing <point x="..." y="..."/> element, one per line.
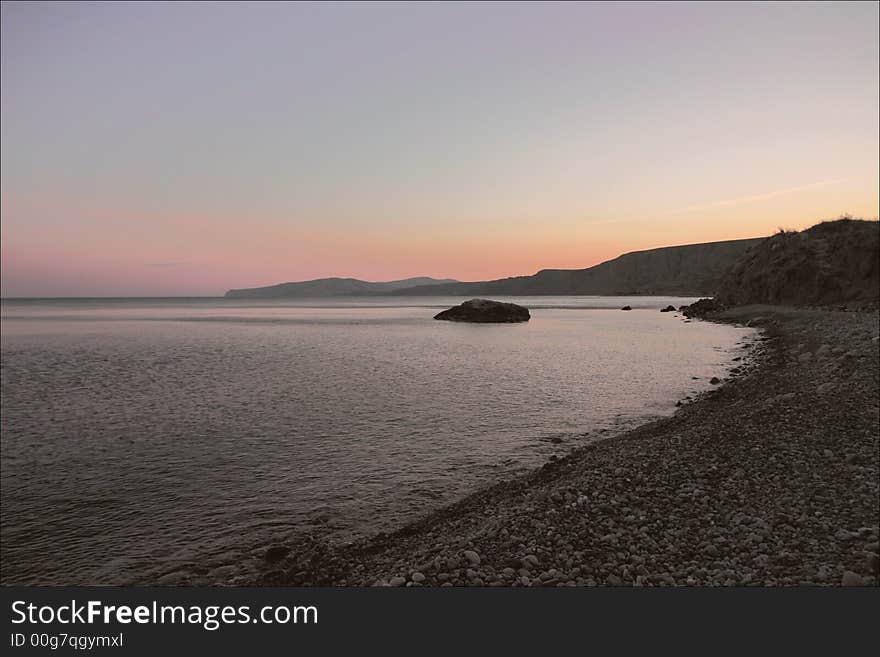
<point x="187" y="149"/>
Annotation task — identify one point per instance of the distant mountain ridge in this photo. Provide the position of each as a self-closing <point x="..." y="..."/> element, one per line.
<point x="690" y="270"/>
<point x="331" y="287"/>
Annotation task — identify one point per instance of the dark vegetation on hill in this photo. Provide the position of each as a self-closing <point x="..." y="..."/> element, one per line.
<point x="832" y="262"/>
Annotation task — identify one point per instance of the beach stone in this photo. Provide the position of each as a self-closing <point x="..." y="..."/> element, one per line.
<point x="530" y="560"/>
<point x="276" y="553"/>
<point x="852" y="579"/>
<point x="172" y="579"/>
<point x="472" y="557"/>
<point x="613" y="580"/>
<point x="627" y="308"/>
<point x="714" y="380"/>
<point x="417" y="577"/>
<point x="397" y="580"/>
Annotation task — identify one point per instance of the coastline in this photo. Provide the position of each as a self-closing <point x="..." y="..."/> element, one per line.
<point x="770" y="479"/>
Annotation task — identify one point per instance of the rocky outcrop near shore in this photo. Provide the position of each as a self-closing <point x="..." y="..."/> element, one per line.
<point x="769" y="480"/>
<point x="485" y="311"/>
<point x="702" y="308"/>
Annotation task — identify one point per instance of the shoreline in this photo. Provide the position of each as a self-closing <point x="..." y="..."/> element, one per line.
<point x="653" y="506"/>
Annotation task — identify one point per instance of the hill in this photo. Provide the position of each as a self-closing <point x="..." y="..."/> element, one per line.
<point x="330" y="287"/>
<point x="832" y="262"/>
<point x="691" y="270"/>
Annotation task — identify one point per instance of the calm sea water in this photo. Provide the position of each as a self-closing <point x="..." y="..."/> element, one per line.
<point x="148" y="437"/>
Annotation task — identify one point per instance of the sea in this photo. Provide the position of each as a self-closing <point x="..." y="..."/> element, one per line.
<point x="148" y="440"/>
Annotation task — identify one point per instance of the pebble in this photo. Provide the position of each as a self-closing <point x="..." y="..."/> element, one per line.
<point x="852" y="579"/>
<point x="472" y="557"/>
<point x="276" y="553"/>
<point x="531" y="560"/>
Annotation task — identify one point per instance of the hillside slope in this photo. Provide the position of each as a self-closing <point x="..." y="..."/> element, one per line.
<point x="832" y="262"/>
<point x="329" y="287"/>
<point x="691" y="270"/>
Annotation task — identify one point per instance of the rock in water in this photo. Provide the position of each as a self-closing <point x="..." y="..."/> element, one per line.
<point x="627" y="308"/>
<point x="668" y="309"/>
<point x="484" y="310"/>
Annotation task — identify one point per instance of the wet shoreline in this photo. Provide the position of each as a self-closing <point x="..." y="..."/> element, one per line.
<point x="770" y="479"/>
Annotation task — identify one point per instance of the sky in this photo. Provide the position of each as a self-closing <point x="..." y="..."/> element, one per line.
<point x="157" y="149"/>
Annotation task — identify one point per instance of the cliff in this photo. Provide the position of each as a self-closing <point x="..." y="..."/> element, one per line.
<point x="832" y="262"/>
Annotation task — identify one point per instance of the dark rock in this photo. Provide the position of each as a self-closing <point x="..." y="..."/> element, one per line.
<point x="472" y="557"/>
<point x="702" y="307"/>
<point x="484" y="310"/>
<point x="613" y="580"/>
<point x="714" y="380"/>
<point x="852" y="579"/>
<point x="627" y="308"/>
<point x="277" y="553"/>
<point x="668" y="309"/>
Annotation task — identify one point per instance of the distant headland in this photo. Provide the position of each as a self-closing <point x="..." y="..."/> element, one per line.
<point x="691" y="270"/>
<point x="734" y="268"/>
<point x="333" y="287"/>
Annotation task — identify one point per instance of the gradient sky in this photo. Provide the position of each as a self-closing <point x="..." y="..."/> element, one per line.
<point x="164" y="149"/>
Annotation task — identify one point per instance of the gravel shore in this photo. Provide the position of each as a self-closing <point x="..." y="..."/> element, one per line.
<point x="769" y="480"/>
